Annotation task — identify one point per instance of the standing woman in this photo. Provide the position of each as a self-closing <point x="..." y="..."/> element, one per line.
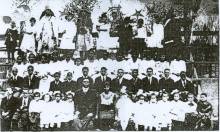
<point x="28" y="42"/>
<point x="11" y="40"/>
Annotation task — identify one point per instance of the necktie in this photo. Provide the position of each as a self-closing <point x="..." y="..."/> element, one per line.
<point x="150" y="80"/>
<point x="29" y="80"/>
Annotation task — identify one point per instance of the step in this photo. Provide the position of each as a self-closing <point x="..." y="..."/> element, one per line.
<point x="5" y="67"/>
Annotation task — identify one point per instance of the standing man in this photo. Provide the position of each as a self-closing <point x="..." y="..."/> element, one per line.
<point x="85" y="71"/>
<point x="166" y="83"/>
<point x="56" y="85"/>
<point x="31" y="81"/>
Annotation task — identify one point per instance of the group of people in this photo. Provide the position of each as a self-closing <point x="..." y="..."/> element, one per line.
<point x="59" y="93"/>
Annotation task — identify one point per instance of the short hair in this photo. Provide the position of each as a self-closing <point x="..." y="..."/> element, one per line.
<point x="32" y="19"/>
<point x="190" y="94"/>
<point x="57" y="73"/>
<point x="135" y="70"/>
<point x="166" y="69"/>
<point x="205" y="94"/>
<point x="36" y="93"/>
<point x="176" y="93"/>
<point x="58" y="94"/>
<point x="85" y="79"/>
<point x="121" y="70"/>
<point x="149" y="68"/>
<point x="85" y="68"/>
<point x="153" y="94"/>
<point x="30" y="66"/>
<point x="103" y="68"/>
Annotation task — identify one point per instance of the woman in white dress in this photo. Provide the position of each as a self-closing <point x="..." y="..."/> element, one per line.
<point x="69" y="33"/>
<point x="104" y="41"/>
<point x="28" y="41"/>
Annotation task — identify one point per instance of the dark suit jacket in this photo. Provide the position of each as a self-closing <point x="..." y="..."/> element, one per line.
<point x="168" y="84"/>
<point x="69" y="86"/>
<point x="56" y="87"/>
<point x="188" y="87"/>
<point x="134" y="86"/>
<point x="116" y="86"/>
<point x="80" y="79"/>
<point x="28" y="103"/>
<point x="15" y="82"/>
<point x="99" y="84"/>
<point x="154" y="86"/>
<point x="10" y="105"/>
<point x="85" y="102"/>
<point x="34" y="82"/>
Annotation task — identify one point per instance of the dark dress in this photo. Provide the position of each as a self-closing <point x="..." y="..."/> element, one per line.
<point x="11" y="37"/>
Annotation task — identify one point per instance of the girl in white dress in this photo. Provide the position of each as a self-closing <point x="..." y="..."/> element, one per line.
<point x="28" y="41"/>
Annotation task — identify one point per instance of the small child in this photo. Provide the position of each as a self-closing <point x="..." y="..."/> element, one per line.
<point x="204" y="109"/>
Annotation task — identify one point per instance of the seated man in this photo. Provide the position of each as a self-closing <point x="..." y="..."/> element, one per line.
<point x="14" y="79"/>
<point x="107" y="107"/>
<point x="204" y="108"/>
<point x="56" y="85"/>
<point x="118" y="82"/>
<point x="69" y="84"/>
<point x="184" y="86"/>
<point x="135" y="83"/>
<point x="150" y="83"/>
<point x="31" y="81"/>
<point x="86" y="103"/>
<point x="166" y="83"/>
<point x="85" y="72"/>
<point x="100" y="81"/>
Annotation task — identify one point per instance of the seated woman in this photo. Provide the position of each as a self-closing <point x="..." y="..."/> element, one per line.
<point x="107" y="107"/>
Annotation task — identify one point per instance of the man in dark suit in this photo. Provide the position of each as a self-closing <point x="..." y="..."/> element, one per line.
<point x="125" y="33"/>
<point x="31" y="81"/>
<point x="25" y="101"/>
<point x="150" y="83"/>
<point x="118" y="82"/>
<point x="100" y="81"/>
<point x="15" y="80"/>
<point x="56" y="85"/>
<point x="69" y="84"/>
<point x="9" y="105"/>
<point x="184" y="86"/>
<point x="135" y="83"/>
<point x="86" y="103"/>
<point x="166" y="83"/>
<point x="85" y="71"/>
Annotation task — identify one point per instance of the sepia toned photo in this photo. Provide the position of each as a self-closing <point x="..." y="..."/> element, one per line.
<point x="109" y="65"/>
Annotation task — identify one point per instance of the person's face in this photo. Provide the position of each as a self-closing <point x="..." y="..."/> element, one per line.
<point x="183" y="76"/>
<point x="176" y="97"/>
<point x="31" y="58"/>
<point x="91" y="55"/>
<point x="58" y="97"/>
<point x="105" y="56"/>
<point x="120" y="73"/>
<point x="25" y="94"/>
<point x="78" y="62"/>
<point x="69" y="97"/>
<point x="140" y="23"/>
<point x="165" y="97"/>
<point x="85" y="72"/>
<point x="119" y="57"/>
<point x="166" y="73"/>
<point x="203" y="98"/>
<point x="103" y="72"/>
<point x="134" y="74"/>
<point x="69" y="77"/>
<point x="86" y="83"/>
<point x="30" y="70"/>
<point x="149" y="72"/>
<point x="104" y="19"/>
<point x="107" y="88"/>
<point x="47" y="98"/>
<point x="162" y="58"/>
<point x="141" y="100"/>
<point x="19" y="60"/>
<point x="68" y="57"/>
<point x="134" y="56"/>
<point x="37" y="97"/>
<point x="190" y="98"/>
<point x="43" y="59"/>
<point x="55" y="57"/>
<point x="13" y="25"/>
<point x="14" y="72"/>
<point x="114" y="15"/>
<point x="32" y="23"/>
<point x="57" y="77"/>
<point x="153" y="99"/>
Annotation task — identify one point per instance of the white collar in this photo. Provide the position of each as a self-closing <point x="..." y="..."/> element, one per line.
<point x="85" y="90"/>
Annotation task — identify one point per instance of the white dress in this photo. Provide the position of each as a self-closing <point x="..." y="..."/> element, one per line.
<point x="28" y="41"/>
<point x="154" y="41"/>
<point x="104" y="40"/>
<point x="67" y="38"/>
